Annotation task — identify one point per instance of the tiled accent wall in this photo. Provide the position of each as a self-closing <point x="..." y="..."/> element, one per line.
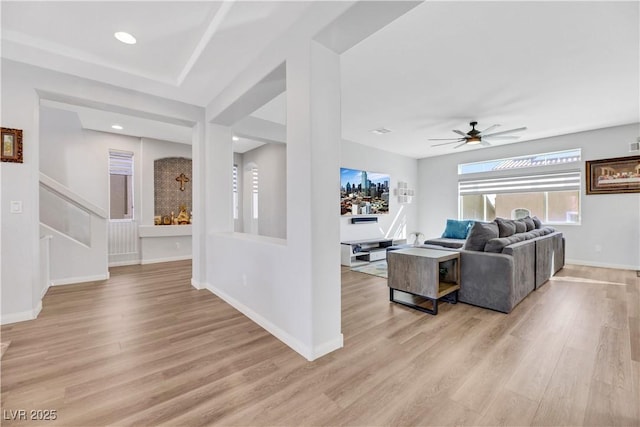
<point x="167" y="194"/>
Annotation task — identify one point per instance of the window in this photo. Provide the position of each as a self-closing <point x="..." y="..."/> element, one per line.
<point x="254" y="192"/>
<point x="521" y="162"/>
<point x="236" y="213"/>
<point x="120" y="185"/>
<point x="551" y="194"/>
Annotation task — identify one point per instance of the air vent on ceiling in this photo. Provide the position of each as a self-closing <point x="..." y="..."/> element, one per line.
<point x="380" y="131"/>
<point x="635" y="146"/>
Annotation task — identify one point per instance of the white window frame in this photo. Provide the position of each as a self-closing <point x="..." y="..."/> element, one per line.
<point x="556" y="175"/>
<point x="542" y="160"/>
<point x="122" y="163"/>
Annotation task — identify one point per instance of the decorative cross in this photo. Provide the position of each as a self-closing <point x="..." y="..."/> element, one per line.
<point x="182" y="178"/>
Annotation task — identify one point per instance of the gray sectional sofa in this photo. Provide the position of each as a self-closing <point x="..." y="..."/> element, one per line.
<point x="497" y="270"/>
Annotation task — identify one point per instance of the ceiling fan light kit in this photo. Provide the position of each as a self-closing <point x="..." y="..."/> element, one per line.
<point x="475" y="137"/>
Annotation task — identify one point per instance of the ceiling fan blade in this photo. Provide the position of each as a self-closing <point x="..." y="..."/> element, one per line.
<point x="501" y="137"/>
<point x="447" y="143"/>
<point x="490" y="128"/>
<point x="485" y="144"/>
<point x="459" y="132"/>
<point x="506" y="131"/>
<point x="445" y="139"/>
<point x="458" y="146"/>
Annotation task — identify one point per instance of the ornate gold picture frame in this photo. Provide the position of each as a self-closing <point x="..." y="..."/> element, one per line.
<point x="610" y="176"/>
<point x="12" y="145"/>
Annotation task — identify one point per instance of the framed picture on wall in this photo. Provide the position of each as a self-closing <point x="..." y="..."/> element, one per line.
<point x="12" y="145"/>
<point x="610" y="176"/>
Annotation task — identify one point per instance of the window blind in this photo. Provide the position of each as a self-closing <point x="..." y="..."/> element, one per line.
<point x="120" y="163"/>
<point x="254" y="185"/>
<point x="531" y="183"/>
<point x="236" y="212"/>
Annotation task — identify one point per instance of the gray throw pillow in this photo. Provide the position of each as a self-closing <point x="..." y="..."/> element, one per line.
<point x="506" y="227"/>
<point x="528" y="221"/>
<point x="537" y="233"/>
<point x="521" y="227"/>
<point x="480" y="234"/>
<point x="549" y="230"/>
<point x="537" y="222"/>
<point x="497" y="245"/>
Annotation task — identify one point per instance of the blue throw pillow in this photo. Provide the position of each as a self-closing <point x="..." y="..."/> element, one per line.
<point x="457" y="229"/>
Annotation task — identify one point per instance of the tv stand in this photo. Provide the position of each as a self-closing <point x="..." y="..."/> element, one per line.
<point x="359" y="252"/>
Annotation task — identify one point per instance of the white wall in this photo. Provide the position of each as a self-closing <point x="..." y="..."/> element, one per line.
<point x="164" y="249"/>
<point x="238" y="223"/>
<point x="20" y="285"/>
<point x="292" y="287"/>
<point x="65" y="253"/>
<point x="79" y="158"/>
<point x="402" y="219"/>
<point x="165" y="243"/>
<point x="22" y="88"/>
<point x="271" y="160"/>
<point x="611" y="222"/>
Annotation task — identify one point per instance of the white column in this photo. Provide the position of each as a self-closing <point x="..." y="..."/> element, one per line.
<point x="313" y="142"/>
<point x="219" y="179"/>
<point x="198" y="237"/>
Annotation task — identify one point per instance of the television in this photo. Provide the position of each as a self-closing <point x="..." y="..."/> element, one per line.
<point x="363" y="192"/>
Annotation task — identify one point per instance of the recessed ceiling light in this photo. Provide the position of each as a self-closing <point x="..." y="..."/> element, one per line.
<point x="125" y="37"/>
<point x="116" y="127"/>
<point x="235" y="138"/>
<point x="380" y="131"/>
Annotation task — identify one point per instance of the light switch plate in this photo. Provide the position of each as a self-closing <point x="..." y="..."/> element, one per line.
<point x="16" y="206"/>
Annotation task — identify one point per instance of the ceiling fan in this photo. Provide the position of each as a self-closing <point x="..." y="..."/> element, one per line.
<point x="482" y="137"/>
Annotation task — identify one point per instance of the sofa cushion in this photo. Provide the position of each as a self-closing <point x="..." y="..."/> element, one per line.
<point x="445" y="242"/>
<point x="457" y="229"/>
<point x="496" y="245"/>
<point x="506" y="227"/>
<point x="528" y="221"/>
<point x="480" y="234"/>
<point x="527" y="236"/>
<point x="521" y="227"/>
<point x="536" y="233"/>
<point x="537" y="222"/>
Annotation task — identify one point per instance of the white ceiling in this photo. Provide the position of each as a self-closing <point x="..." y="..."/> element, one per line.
<point x="555" y="67"/>
<point x="242" y="145"/>
<point x="93" y="119"/>
<point x="274" y="111"/>
<point x="186" y="50"/>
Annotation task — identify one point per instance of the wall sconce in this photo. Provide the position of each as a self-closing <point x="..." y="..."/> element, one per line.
<point x="404" y="193"/>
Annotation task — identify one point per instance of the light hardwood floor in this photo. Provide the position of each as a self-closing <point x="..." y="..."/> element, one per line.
<point x="145" y="348"/>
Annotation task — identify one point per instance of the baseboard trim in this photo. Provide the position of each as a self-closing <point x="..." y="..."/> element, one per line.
<point x="123" y="263"/>
<point x="196" y="284"/>
<point x="602" y="264"/>
<point x="274" y="330"/>
<point x="328" y="347"/>
<point x="44" y="291"/>
<point x="75" y="280"/>
<point x="158" y="260"/>
<point x="306" y="352"/>
<point x="22" y="316"/>
<point x="37" y="310"/>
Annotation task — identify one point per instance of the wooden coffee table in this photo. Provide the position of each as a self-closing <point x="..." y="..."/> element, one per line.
<point x="416" y="271"/>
